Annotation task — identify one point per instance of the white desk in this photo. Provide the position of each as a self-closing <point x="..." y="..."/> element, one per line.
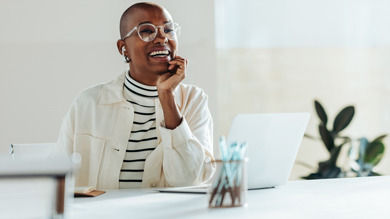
<point x="334" y="198"/>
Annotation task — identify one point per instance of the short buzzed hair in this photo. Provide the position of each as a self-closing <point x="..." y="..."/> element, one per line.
<point x="126" y="16"/>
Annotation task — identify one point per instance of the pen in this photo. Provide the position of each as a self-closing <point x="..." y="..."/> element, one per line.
<point x="229" y="178"/>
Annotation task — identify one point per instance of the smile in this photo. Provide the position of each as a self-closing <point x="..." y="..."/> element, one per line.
<point x="160" y="53"/>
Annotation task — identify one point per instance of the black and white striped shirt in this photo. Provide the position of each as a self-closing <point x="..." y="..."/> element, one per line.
<point x="143" y="136"/>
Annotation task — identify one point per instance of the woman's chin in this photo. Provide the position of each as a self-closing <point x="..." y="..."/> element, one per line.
<point x="162" y="70"/>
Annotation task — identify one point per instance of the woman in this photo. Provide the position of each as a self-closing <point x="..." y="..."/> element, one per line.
<point x="144" y="128"/>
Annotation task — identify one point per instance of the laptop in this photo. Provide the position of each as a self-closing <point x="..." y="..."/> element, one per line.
<point x="273" y="143"/>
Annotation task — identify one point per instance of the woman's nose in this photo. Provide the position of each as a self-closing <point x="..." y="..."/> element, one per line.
<point x="160" y="36"/>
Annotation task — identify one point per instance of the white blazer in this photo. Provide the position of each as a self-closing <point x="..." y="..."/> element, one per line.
<point x="98" y="126"/>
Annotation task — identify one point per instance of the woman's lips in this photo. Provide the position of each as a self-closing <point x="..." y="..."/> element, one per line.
<point x="161" y="59"/>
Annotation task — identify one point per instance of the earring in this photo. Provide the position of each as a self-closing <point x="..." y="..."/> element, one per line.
<point x="125" y="58"/>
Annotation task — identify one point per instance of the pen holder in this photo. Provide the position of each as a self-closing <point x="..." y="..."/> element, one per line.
<point x="230" y="185"/>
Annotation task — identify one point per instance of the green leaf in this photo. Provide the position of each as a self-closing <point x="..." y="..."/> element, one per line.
<point x="321" y="112"/>
<point x="326" y="137"/>
<point x="380" y="138"/>
<point x="374" y="152"/>
<point x="343" y="119"/>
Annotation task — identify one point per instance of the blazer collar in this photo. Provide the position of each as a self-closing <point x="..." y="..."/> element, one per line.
<point x="112" y="91"/>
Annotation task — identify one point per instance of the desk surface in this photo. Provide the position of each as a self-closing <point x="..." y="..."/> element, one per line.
<point x="332" y="198"/>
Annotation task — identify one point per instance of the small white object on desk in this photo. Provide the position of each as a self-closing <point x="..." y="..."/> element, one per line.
<point x="85" y="189"/>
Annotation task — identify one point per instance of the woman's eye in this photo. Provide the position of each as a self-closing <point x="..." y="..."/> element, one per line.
<point x="146" y="31"/>
<point x="168" y="30"/>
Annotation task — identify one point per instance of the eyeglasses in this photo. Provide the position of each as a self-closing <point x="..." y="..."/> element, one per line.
<point x="148" y="32"/>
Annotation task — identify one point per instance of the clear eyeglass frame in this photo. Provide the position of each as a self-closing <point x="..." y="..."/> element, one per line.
<point x="175" y="31"/>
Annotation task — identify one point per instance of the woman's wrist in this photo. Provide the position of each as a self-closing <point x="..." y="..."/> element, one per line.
<point x="167" y="98"/>
<point x="165" y="93"/>
<point x="172" y="115"/>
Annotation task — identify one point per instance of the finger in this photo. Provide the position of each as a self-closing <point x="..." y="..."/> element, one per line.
<point x="180" y="65"/>
<point x="174" y="70"/>
<point x="172" y="66"/>
<point x="177" y="61"/>
<point x="182" y="60"/>
<point x="179" y="57"/>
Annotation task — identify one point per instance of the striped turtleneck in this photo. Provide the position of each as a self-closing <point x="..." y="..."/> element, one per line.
<point x="143" y="136"/>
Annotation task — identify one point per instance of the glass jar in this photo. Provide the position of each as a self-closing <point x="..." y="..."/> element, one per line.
<point x="230" y="185"/>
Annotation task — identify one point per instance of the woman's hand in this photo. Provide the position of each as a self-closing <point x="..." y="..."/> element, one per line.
<point x="166" y="84"/>
<point x="177" y="72"/>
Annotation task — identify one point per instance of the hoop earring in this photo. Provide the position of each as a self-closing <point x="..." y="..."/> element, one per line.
<point x="126" y="59"/>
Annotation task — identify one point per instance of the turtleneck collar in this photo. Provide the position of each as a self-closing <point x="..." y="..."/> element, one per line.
<point x="139" y="89"/>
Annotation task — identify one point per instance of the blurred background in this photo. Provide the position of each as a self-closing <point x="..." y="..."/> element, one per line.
<point x="250" y="56"/>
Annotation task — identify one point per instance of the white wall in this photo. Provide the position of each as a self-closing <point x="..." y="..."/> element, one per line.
<point x="51" y="50"/>
<point x="302" y="23"/>
<point x="281" y="55"/>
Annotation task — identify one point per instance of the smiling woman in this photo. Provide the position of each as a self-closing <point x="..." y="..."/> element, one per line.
<point x="144" y="128"/>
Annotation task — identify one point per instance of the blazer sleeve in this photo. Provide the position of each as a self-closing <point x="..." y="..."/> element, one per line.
<point x="188" y="149"/>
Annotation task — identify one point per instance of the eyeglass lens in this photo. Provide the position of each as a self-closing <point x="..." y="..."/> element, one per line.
<point x="147" y="32"/>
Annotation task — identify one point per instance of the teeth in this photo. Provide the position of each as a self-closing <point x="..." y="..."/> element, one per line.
<point x="162" y="52"/>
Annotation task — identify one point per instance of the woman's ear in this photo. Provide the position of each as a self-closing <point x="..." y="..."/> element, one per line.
<point x="121" y="45"/>
<point x="122" y="50"/>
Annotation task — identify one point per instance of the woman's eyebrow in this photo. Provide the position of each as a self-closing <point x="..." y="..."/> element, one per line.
<point x="149" y="22"/>
<point x="145" y="22"/>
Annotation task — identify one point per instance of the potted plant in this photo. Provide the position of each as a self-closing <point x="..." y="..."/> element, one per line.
<point x="362" y="162"/>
